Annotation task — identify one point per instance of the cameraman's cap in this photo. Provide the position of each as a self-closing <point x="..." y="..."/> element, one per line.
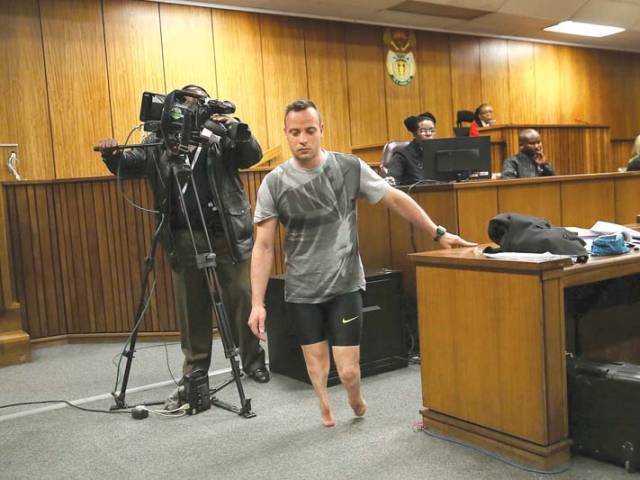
<point x="193" y="86"/>
<point x="411" y="123"/>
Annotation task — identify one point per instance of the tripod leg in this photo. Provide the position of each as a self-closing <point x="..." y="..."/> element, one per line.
<point x="137" y="322"/>
<point x="230" y="349"/>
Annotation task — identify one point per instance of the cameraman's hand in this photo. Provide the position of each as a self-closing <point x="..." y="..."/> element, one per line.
<point x="256" y="321"/>
<point x="107" y="146"/>
<point x="224" y="119"/>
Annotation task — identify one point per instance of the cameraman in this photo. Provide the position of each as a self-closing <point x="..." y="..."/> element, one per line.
<point x="229" y="223"/>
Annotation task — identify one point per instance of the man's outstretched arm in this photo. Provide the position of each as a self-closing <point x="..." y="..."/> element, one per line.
<point x="405" y="206"/>
<point x="261" y="262"/>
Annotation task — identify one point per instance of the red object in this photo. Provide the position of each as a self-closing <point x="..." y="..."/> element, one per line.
<point x="474" y="129"/>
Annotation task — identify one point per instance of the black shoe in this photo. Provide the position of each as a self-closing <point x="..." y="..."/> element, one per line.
<point x="260" y="375"/>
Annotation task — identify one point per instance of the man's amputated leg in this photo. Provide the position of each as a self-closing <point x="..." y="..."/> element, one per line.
<point x="316" y="356"/>
<point x="348" y="364"/>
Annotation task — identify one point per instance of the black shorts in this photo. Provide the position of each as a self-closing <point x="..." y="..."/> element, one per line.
<point x="339" y="320"/>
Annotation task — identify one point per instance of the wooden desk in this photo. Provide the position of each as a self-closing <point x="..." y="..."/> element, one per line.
<point x="466" y="208"/>
<point x="571" y="149"/>
<point x="492" y="338"/>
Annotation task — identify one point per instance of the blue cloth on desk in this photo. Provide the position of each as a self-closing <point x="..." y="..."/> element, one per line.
<point x="613" y="244"/>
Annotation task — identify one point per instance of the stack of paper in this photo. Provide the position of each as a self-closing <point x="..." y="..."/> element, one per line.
<point x="605" y="228"/>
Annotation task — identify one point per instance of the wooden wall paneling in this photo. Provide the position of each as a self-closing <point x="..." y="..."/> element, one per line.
<point x="50" y="268"/>
<point x="494" y="76"/>
<point x="32" y="264"/>
<point x="540" y="200"/>
<point x="92" y="264"/>
<point x="547" y="84"/>
<point x="434" y="75"/>
<point x="23" y="77"/>
<point x="372" y="155"/>
<point x="64" y="217"/>
<point x="78" y="90"/>
<point x="594" y="85"/>
<point x="522" y="82"/>
<point x="134" y="60"/>
<point x="37" y="261"/>
<point x="401" y="101"/>
<point x="634" y="108"/>
<point x="476" y="206"/>
<point x="82" y="270"/>
<point x="105" y="256"/>
<point x="627" y="79"/>
<point x="187" y="47"/>
<point x="285" y="73"/>
<point x="112" y="218"/>
<point x="621" y="152"/>
<point x="617" y="89"/>
<point x="585" y="202"/>
<point x="627" y="198"/>
<point x="465" y="73"/>
<point x="236" y="37"/>
<point x="327" y="79"/>
<point x="366" y="74"/>
<point x="498" y="154"/>
<point x="571" y="90"/>
<point x="598" y="150"/>
<point x="56" y="265"/>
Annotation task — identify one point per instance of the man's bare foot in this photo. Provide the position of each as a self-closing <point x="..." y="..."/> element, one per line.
<point x="327" y="417"/>
<point x="359" y="407"/>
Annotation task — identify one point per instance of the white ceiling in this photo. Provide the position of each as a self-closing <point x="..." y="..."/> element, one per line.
<point x="504" y="18"/>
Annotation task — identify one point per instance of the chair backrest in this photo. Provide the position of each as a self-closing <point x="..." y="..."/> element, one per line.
<point x="464" y="116"/>
<point x="461" y="131"/>
<point x="387" y="151"/>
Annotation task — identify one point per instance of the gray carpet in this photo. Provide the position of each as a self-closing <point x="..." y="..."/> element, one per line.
<point x="285" y="440"/>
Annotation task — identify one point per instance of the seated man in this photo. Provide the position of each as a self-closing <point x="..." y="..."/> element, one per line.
<point x="530" y="162"/>
<point x="405" y="166"/>
<point x="634" y="161"/>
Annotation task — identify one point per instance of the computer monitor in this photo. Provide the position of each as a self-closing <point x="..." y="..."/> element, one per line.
<point x="454" y="159"/>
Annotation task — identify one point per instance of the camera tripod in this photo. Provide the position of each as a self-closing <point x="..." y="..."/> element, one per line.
<point x="181" y="172"/>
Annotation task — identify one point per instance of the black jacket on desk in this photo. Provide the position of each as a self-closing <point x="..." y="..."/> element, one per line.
<point x="223" y="161"/>
<point x="523" y="166"/>
<point x="405" y="165"/>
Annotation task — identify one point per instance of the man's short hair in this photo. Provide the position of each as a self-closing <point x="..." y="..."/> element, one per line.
<point x="300" y="105"/>
<point x="523" y="137"/>
<point x="411" y="123"/>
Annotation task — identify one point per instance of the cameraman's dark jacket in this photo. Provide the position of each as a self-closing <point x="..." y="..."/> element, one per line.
<point x="223" y="161"/>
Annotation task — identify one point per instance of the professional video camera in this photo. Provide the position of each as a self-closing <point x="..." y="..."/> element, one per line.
<point x="183" y="118"/>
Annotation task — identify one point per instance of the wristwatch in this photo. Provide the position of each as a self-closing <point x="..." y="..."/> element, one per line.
<point x="440" y="231"/>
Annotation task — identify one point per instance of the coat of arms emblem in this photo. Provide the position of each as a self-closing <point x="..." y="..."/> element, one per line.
<point x="401" y="63"/>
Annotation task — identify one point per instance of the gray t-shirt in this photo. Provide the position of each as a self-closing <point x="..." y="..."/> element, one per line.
<point x="318" y="209"/>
